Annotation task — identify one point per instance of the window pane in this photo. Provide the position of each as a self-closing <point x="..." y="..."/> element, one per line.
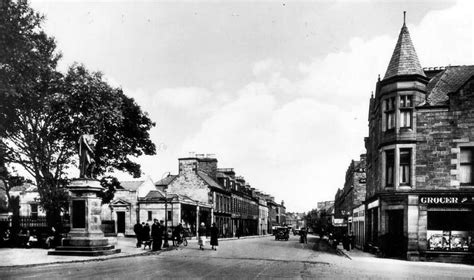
<point x="466" y="174"/>
<point x="404" y="174"/>
<point x="405" y="156"/>
<point x="405" y="118"/>
<point x="466" y="155"/>
<point x="390" y="162"/>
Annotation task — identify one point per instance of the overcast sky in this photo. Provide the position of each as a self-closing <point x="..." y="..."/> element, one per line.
<point x="277" y="90"/>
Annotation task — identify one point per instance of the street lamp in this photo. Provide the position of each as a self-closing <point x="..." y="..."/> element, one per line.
<point x="165" y="244"/>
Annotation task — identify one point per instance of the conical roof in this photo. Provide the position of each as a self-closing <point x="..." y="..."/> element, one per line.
<point x="404" y="60"/>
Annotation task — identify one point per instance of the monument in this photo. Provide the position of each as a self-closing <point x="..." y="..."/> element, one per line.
<point x="85" y="237"/>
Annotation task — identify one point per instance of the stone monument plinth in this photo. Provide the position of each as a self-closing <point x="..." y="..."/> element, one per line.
<point x="85" y="237"/>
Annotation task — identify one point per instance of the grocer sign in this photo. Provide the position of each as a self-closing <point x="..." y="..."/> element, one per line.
<point x="444" y="200"/>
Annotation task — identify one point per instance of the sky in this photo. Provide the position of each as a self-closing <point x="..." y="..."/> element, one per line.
<point x="277" y="90"/>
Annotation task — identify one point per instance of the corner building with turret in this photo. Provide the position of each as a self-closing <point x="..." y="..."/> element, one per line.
<point x="420" y="160"/>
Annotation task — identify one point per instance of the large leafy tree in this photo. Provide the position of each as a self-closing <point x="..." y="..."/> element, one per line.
<point x="43" y="112"/>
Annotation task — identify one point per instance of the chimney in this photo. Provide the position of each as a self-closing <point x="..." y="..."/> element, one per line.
<point x="208" y="165"/>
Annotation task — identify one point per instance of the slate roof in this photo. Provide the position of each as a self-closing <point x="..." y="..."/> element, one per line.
<point x="404" y="59"/>
<point x="447" y="81"/>
<point x="166" y="181"/>
<point x="131" y="185"/>
<point x="154" y="195"/>
<point x="209" y="180"/>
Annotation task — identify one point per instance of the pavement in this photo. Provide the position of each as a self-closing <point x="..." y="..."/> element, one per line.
<point x="22" y="257"/>
<point x="353" y="253"/>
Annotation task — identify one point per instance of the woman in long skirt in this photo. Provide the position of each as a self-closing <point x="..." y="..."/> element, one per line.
<point x="202" y="236"/>
<point x="214" y="236"/>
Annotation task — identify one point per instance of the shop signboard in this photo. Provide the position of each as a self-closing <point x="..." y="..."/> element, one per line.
<point x="446" y="199"/>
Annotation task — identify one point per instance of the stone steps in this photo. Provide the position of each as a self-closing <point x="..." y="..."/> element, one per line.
<point x="84" y="252"/>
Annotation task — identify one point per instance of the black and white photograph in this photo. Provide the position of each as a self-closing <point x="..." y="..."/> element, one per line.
<point x="241" y="139"/>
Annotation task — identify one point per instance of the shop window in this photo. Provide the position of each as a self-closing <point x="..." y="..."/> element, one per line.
<point x="389" y="167"/>
<point x="405" y="164"/>
<point x="450" y="230"/>
<point x="406" y="111"/>
<point x="466" y="166"/>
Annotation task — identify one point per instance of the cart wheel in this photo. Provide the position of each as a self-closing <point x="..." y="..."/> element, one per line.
<point x="185" y="242"/>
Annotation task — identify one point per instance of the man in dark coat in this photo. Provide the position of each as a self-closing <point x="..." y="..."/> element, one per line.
<point x="137" y="228"/>
<point x="214" y="236"/>
<point x="156" y="234"/>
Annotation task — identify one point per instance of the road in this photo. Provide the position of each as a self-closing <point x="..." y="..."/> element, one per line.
<point x="257" y="258"/>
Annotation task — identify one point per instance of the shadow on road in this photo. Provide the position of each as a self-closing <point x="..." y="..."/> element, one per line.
<point x="322" y="245"/>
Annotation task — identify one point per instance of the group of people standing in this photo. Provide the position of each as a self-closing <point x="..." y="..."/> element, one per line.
<point x="142" y="232"/>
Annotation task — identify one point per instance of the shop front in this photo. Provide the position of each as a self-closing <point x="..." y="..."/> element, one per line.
<point x="449" y="229"/>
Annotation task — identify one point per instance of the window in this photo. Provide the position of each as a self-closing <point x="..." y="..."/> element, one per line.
<point x="150" y="216"/>
<point x="390" y="113"/>
<point x="450" y="231"/>
<point x="389" y="165"/>
<point x="170" y="216"/>
<point x="467" y="164"/>
<point x="405" y="162"/>
<point x="34" y="211"/>
<point x="406" y="111"/>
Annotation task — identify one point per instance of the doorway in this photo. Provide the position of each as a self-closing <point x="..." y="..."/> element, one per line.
<point x="395" y="241"/>
<point x="121" y="222"/>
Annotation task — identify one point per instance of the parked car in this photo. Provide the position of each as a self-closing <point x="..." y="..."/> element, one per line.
<point x="282" y="233"/>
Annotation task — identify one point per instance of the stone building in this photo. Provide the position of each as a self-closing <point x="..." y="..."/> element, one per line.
<point x="420" y="184"/>
<point x="123" y="210"/>
<point x="223" y="198"/>
<point x="351" y="197"/>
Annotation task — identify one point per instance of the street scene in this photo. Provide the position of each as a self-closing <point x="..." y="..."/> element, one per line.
<point x="252" y="258"/>
<point x="240" y="140"/>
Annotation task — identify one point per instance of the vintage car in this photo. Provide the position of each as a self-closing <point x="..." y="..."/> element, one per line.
<point x="282" y="233"/>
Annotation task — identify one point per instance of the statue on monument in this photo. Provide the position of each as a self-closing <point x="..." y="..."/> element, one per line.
<point x="87" y="144"/>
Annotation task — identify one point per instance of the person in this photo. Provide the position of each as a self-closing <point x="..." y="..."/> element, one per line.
<point x="6" y="238"/>
<point x="214" y="236"/>
<point x="156" y="234"/>
<point x="202" y="236"/>
<point x="303" y="237"/>
<point x="238" y="232"/>
<point x="178" y="230"/>
<point x="51" y="239"/>
<point x="146" y="232"/>
<point x="137" y="228"/>
<point x="87" y="144"/>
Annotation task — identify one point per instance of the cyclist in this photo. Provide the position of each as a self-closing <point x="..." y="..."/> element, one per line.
<point x="177" y="234"/>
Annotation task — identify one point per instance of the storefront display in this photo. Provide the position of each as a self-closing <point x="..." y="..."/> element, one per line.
<point x="450" y="231"/>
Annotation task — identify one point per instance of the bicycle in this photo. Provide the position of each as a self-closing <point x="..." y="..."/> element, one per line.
<point x="182" y="240"/>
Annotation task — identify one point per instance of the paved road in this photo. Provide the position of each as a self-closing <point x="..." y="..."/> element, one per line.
<point x="259" y="258"/>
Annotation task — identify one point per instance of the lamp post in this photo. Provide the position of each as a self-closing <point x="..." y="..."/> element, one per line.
<point x="165" y="244"/>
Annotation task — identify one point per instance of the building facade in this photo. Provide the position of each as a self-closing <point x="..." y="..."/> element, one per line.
<point x="351" y="196"/>
<point x="420" y="164"/>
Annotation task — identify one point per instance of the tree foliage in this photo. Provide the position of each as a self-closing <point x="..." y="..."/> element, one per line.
<point x="43" y="112"/>
<point x="110" y="185"/>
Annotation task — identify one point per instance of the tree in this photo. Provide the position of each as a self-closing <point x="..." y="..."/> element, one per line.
<point x="110" y="185"/>
<point x="43" y="112"/>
